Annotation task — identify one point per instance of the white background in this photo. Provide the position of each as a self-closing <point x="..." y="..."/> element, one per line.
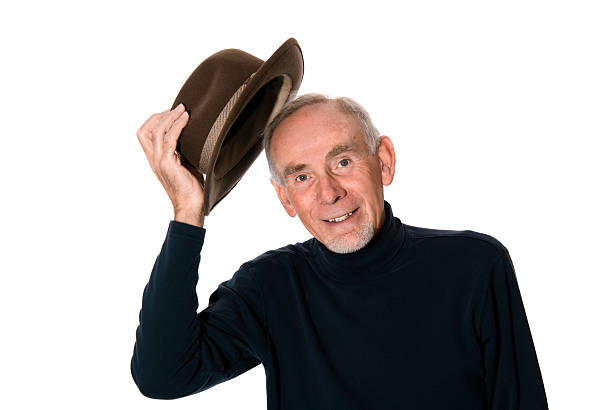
<point x="500" y="114"/>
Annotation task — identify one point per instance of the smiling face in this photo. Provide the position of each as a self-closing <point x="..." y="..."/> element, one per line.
<point x="330" y="179"/>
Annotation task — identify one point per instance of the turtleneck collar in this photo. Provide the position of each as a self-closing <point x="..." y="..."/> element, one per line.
<point x="368" y="262"/>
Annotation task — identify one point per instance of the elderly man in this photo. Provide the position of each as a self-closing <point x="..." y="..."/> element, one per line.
<point x="370" y="313"/>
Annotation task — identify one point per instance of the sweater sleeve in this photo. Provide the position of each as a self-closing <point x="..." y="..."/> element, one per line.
<point x="178" y="351"/>
<point x="512" y="374"/>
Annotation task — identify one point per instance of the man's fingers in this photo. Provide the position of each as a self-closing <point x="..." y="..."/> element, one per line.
<point x="145" y="132"/>
<point x="168" y="119"/>
<point x="171" y="136"/>
<point x="147" y="127"/>
<point x="153" y="134"/>
<point x="194" y="171"/>
<point x="163" y="125"/>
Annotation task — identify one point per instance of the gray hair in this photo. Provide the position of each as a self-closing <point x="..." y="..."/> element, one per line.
<point x="345" y="104"/>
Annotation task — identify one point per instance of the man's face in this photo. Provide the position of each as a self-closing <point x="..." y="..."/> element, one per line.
<point x="331" y="181"/>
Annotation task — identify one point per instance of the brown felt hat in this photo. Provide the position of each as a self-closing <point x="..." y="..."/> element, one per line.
<point x="231" y="96"/>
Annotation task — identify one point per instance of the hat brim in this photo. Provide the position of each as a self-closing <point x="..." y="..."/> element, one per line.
<point x="241" y="139"/>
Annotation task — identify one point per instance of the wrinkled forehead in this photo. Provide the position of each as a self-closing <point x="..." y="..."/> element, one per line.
<point x="315" y="126"/>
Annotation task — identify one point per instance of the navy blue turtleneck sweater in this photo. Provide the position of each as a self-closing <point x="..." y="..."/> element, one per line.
<point x="417" y="319"/>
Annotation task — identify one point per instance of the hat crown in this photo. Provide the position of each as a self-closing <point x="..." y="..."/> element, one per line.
<point x="231" y="65"/>
<point x="230" y="97"/>
<point x="206" y="92"/>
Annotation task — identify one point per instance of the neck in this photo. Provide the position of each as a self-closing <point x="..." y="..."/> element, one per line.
<point x="368" y="261"/>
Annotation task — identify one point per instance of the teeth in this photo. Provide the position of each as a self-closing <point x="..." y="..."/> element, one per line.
<point x="340" y="218"/>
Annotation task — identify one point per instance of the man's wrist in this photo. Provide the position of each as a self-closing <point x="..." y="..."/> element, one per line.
<point x="190" y="216"/>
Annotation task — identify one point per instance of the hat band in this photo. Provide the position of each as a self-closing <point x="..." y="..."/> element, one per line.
<point x="215" y="130"/>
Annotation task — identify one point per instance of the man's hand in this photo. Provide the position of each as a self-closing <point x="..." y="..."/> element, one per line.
<point x="183" y="183"/>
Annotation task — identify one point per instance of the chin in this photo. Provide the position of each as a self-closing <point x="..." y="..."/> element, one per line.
<point x="352" y="241"/>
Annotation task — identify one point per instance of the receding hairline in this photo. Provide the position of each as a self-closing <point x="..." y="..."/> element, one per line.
<point x="344" y="105"/>
<point x="338" y="149"/>
<point x="330" y="103"/>
<point x="327" y="103"/>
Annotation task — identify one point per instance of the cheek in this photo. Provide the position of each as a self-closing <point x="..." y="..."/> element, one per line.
<point x="299" y="200"/>
<point x="365" y="184"/>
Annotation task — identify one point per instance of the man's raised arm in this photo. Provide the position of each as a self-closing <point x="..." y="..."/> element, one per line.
<point x="178" y="351"/>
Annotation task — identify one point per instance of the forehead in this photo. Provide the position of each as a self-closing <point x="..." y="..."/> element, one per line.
<point x="314" y="130"/>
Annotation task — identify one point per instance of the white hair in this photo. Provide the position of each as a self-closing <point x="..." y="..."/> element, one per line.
<point x="360" y="238"/>
<point x="345" y="104"/>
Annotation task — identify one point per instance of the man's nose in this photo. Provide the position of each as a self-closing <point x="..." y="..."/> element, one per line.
<point x="329" y="191"/>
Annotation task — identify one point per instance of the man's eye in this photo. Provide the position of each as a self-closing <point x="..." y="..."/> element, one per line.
<point x="301" y="178"/>
<point x="343" y="163"/>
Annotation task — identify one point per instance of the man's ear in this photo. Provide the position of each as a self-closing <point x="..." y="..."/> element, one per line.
<point x="282" y="196"/>
<point x="386" y="157"/>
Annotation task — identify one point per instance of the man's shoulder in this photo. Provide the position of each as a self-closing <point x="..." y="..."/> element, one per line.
<point x="281" y="258"/>
<point x="457" y="240"/>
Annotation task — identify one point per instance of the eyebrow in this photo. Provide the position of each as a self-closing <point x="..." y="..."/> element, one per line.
<point x="292" y="169"/>
<point x="336" y="150"/>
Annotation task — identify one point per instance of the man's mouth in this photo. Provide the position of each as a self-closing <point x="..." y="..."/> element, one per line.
<point x="342" y="217"/>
